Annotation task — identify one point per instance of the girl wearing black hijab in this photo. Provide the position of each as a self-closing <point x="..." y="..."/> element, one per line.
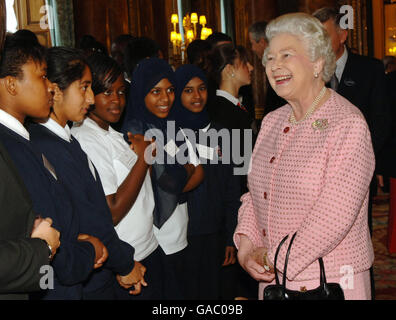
<point x="213" y="205"/>
<point x="150" y="101"/>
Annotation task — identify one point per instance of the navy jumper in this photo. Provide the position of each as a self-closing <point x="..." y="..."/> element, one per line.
<point x="74" y="259"/>
<point x="72" y="166"/>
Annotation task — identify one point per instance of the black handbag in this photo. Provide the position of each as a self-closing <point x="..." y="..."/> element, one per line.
<point x="325" y="291"/>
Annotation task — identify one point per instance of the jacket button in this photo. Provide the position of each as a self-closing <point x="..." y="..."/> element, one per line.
<point x="265" y="195"/>
<point x="272" y="160"/>
<point x="264" y="234"/>
<point x="286" y="130"/>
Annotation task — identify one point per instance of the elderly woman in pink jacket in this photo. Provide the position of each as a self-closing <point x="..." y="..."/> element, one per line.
<point x="310" y="171"/>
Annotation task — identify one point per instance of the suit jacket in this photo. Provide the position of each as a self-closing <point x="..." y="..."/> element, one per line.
<point x="363" y="83"/>
<point x="21" y="257"/>
<point x="225" y="113"/>
<point x="272" y="100"/>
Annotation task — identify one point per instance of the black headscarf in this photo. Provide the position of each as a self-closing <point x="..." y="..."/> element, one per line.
<point x="185" y="118"/>
<point x="168" y="180"/>
<point x="146" y="75"/>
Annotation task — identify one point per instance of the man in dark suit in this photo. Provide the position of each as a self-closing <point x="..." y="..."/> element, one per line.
<point x="361" y="80"/>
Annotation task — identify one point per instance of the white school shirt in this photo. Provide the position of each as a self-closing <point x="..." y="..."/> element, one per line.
<point x="13" y="124"/>
<point x="113" y="160"/>
<point x="172" y="237"/>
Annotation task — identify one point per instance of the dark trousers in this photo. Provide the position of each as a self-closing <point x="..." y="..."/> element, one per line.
<point x="202" y="268"/>
<point x="172" y="272"/>
<point x="153" y="276"/>
<point x="108" y="291"/>
<point x="234" y="281"/>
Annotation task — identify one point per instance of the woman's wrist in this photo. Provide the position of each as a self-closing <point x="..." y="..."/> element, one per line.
<point x="268" y="266"/>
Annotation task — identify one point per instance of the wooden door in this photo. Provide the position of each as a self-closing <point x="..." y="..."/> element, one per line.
<point x="103" y="19"/>
<point x="32" y="15"/>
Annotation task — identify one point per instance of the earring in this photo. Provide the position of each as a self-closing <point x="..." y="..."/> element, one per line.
<point x="232" y="75"/>
<point x="316" y="75"/>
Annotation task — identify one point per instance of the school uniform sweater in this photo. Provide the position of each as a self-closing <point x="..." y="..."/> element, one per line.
<point x="83" y="183"/>
<point x="214" y="204"/>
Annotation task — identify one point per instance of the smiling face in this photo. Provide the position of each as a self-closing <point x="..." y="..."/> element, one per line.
<point x="288" y="68"/>
<point x="109" y="104"/>
<point x="194" y="95"/>
<point x="73" y="103"/>
<point x="160" y="99"/>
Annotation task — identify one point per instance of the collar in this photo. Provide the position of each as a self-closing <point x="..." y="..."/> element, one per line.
<point x="56" y="128"/>
<point x="13" y="124"/>
<point x="93" y="125"/>
<point x="228" y="96"/>
<point x="341" y="62"/>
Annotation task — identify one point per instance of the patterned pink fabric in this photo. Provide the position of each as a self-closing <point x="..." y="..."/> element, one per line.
<point x="315" y="182"/>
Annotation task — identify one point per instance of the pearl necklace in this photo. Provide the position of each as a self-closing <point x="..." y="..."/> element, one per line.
<point x="292" y="118"/>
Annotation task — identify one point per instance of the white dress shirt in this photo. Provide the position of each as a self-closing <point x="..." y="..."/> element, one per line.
<point x="340" y="64"/>
<point x="113" y="160"/>
<point x="13" y="124"/>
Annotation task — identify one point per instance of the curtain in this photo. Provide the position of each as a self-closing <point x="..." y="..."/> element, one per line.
<point x="61" y="22"/>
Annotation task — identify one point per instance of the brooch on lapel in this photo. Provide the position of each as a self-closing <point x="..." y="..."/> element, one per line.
<point x="320" y="124"/>
<point x="349" y="82"/>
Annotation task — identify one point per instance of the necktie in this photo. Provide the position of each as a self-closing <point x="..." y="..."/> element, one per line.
<point x="334" y="82"/>
<point x="241" y="106"/>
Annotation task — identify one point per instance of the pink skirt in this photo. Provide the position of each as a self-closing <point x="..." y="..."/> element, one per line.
<point x="358" y="287"/>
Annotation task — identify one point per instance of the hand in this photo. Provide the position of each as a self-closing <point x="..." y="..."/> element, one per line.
<point x="101" y="253"/>
<point x="260" y="256"/>
<point x="252" y="262"/>
<point x="134" y="278"/>
<point x="42" y="229"/>
<point x="138" y="144"/>
<point x="190" y="169"/>
<point x="230" y="256"/>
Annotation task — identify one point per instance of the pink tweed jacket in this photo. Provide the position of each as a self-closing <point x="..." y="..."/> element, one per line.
<point x="312" y="178"/>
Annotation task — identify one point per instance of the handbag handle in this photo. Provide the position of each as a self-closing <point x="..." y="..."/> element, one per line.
<point x="321" y="264"/>
<point x="276" y="258"/>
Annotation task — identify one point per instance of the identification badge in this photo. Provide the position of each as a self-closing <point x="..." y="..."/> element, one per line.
<point x="128" y="159"/>
<point x="171" y="148"/>
<point x="205" y="151"/>
<point x="49" y="166"/>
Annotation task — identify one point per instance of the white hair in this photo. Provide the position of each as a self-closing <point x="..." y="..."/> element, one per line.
<point x="311" y="31"/>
